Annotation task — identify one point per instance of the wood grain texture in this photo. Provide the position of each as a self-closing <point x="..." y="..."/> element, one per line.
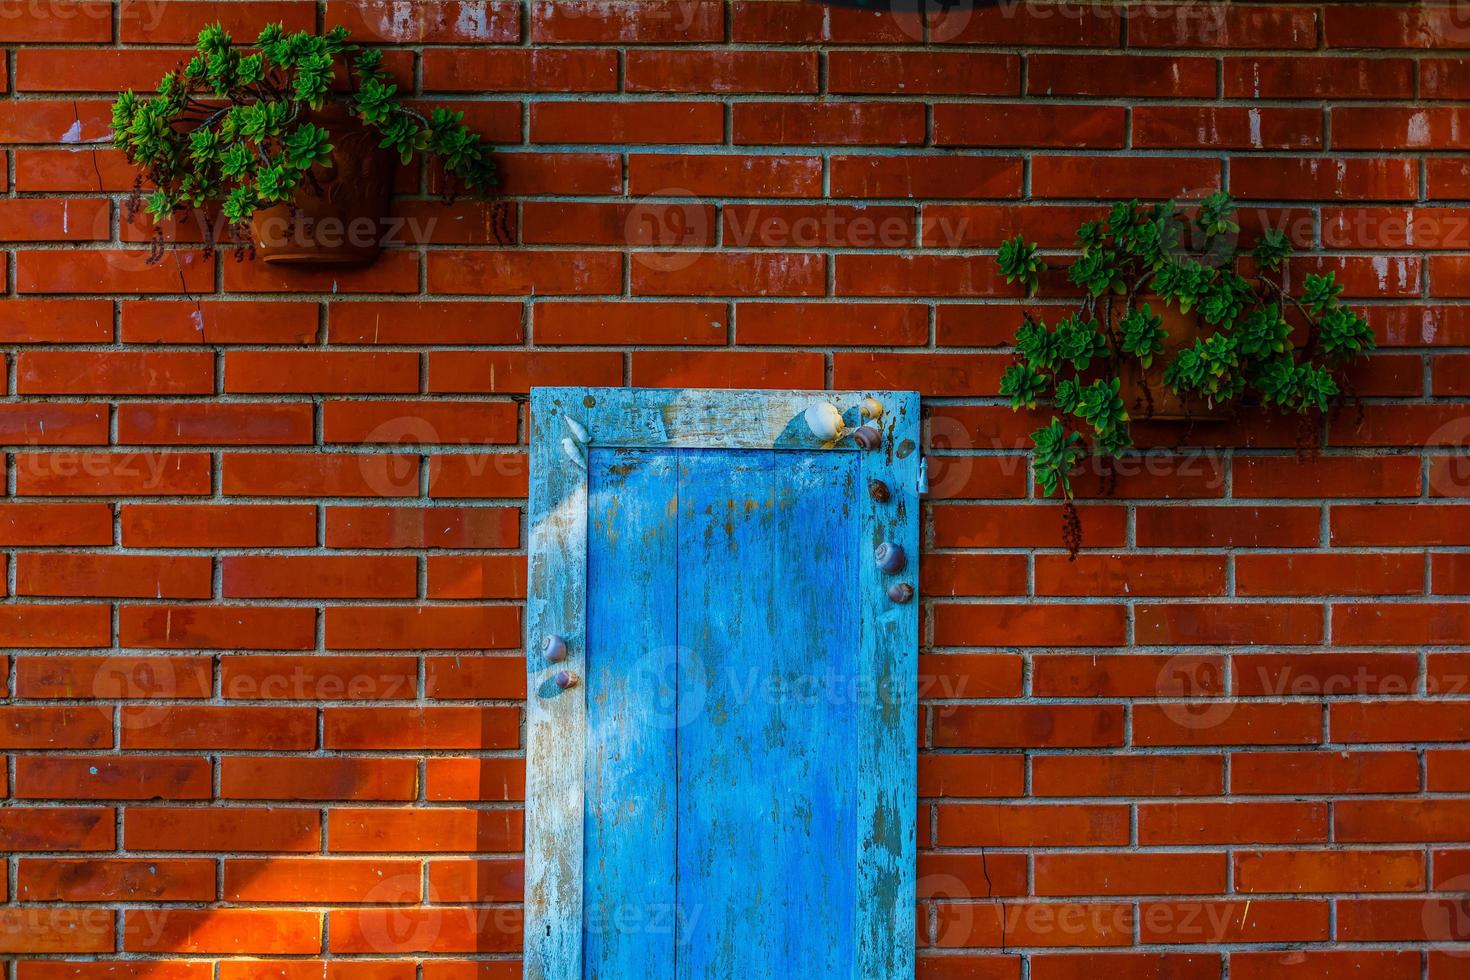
<point x="632" y="670"/>
<point x="767" y="766"/>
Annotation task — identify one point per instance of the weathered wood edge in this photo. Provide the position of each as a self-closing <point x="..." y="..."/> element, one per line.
<point x="556" y="720"/>
<point x="887" y="754"/>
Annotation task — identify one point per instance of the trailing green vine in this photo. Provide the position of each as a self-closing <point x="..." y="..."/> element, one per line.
<point x="1142" y="255"/>
<point x="233" y="127"/>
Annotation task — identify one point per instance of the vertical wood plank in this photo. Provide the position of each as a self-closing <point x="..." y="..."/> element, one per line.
<point x="767" y="766"/>
<point x="556" y="720"/>
<point x="887" y="754"/>
<point x="629" y="815"/>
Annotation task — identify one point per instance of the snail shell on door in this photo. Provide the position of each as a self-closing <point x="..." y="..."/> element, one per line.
<point x="825" y="421"/>
<point x="890" y="557"/>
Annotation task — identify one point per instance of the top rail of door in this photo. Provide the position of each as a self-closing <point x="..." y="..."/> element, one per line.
<point x="717" y="418"/>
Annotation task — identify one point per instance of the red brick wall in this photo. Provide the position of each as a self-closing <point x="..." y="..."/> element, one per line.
<point x="263" y="525"/>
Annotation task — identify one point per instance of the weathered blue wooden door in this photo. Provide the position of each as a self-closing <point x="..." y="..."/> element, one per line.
<point x="734" y="685"/>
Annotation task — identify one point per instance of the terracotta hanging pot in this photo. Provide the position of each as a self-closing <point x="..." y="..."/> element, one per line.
<point x="340" y="215"/>
<point x="1143" y="390"/>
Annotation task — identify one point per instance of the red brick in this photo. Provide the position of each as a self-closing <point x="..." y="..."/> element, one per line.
<point x="432" y="527"/>
<point x="1335" y="871"/>
<point x="421" y="728"/>
<point x="55" y="524"/>
<point x="1122" y="776"/>
<point x="235" y="322"/>
<point x="428" y="21"/>
<point x="1121" y="574"/>
<point x="1442" y="78"/>
<point x="1232" y="921"/>
<point x="492" y="880"/>
<point x="1126" y="966"/>
<point x="1122" y="76"/>
<point x="1397" y="624"/>
<point x="414" y="628"/>
<point x="971" y="775"/>
<point x="1068" y="875"/>
<point x="1386" y="26"/>
<point x="1330" y="674"/>
<point x="1023" y="526"/>
<point x="216" y="727"/>
<point x="60" y="21"/>
<point x="1230" y="127"/>
<point x="1133" y="675"/>
<point x="840" y="123"/>
<point x="321" y="371"/>
<point x="627" y="122"/>
<point x="44" y="727"/>
<point x="925" y="176"/>
<point x="524" y="273"/>
<point x="966" y="625"/>
<point x="112" y="778"/>
<point x="1334" y="78"/>
<point x="519" y="70"/>
<point x="1009" y="825"/>
<point x="205" y="526"/>
<point x="1401" y="820"/>
<point x="465" y="322"/>
<point x="1296" y="773"/>
<point x="646" y="22"/>
<point x="1226" y="723"/>
<point x="724" y="175"/>
<point x="559" y="173"/>
<point x="63" y="321"/>
<point x="728" y="274"/>
<point x="55" y="121"/>
<point x="107" y="677"/>
<point x="497" y="372"/>
<point x="214" y="423"/>
<point x="216" y="627"/>
<point x="1101" y="127"/>
<point x="1324" y="179"/>
<point x="111" y="880"/>
<point x="475" y="779"/>
<point x="319" y="474"/>
<point x="1330" y="574"/>
<point x="320" y="881"/>
<point x="721" y="71"/>
<point x="65" y="220"/>
<point x="1231" y="823"/>
<point x="1324" y="965"/>
<point x="54" y="424"/>
<point x="1400" y="920"/>
<point x="222" y="931"/>
<point x="1228" y="623"/>
<point x="461" y="678"/>
<point x="923" y="73"/>
<point x="56" y="930"/>
<point x="315" y="678"/>
<point x="621" y="323"/>
<point x="1226" y="527"/>
<point x="1028" y="726"/>
<point x="111" y="271"/>
<point x="91" y="69"/>
<point x="54" y="626"/>
<point x="220" y="829"/>
<point x="138" y="576"/>
<point x="437" y="829"/>
<point x="114" y="373"/>
<point x="727" y="369"/>
<point x="52" y="829"/>
<point x="477" y="577"/>
<point x="758" y="22"/>
<point x="1222" y="27"/>
<point x="275" y="778"/>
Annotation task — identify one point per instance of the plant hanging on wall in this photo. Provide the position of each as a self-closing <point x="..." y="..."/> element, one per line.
<point x="1172" y="325"/>
<point x="298" y="167"/>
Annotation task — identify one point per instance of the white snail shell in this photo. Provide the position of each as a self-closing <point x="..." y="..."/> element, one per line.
<point x="872" y="408"/>
<point x="825" y="421"/>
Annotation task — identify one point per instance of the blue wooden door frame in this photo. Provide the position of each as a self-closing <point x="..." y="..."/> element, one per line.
<point x="565" y="422"/>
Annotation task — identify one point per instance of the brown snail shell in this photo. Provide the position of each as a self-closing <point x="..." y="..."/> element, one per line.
<point x="901" y="592"/>
<point x="867" y="436"/>
<point x="878" y="490"/>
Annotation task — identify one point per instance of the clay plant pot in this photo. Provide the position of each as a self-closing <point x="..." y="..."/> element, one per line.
<point x="338" y="217"/>
<point x="1143" y="390"/>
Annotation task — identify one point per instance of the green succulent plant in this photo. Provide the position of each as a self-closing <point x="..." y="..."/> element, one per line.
<point x="233" y="127"/>
<point x="1192" y="264"/>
